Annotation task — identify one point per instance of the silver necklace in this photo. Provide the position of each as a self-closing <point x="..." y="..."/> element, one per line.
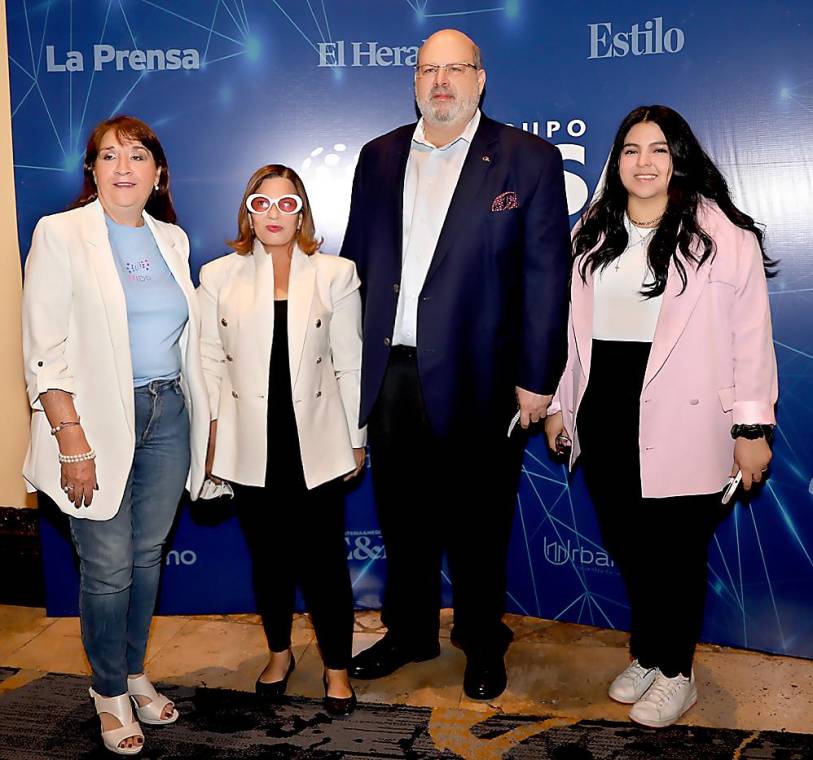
<point x="642" y="240"/>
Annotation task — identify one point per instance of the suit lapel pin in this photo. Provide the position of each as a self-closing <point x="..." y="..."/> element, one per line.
<point x="486" y="158"/>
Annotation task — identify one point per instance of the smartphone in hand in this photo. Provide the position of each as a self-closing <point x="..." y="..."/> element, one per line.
<point x="733" y="484"/>
<point x="513" y="423"/>
<point x="563" y="444"/>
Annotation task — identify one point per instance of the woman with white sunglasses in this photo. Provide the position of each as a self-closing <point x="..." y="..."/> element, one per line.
<point x="281" y="348"/>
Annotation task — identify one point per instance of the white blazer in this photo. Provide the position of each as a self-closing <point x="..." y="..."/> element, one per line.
<point x="236" y="297"/>
<point x="76" y="339"/>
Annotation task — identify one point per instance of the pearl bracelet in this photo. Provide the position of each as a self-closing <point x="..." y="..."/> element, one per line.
<point x="73" y="458"/>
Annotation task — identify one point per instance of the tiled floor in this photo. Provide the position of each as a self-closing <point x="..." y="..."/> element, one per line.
<point x="555" y="669"/>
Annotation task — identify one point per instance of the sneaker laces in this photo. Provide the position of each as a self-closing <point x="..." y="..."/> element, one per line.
<point x="664" y="688"/>
<point x="636" y="672"/>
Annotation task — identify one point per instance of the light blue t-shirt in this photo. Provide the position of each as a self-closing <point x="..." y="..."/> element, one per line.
<point x="156" y="307"/>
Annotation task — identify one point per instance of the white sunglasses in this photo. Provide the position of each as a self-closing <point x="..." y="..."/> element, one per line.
<point x="260" y="204"/>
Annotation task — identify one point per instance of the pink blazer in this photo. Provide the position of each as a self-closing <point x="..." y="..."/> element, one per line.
<point x="712" y="364"/>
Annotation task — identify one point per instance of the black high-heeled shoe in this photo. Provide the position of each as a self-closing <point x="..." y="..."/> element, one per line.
<point x="339" y="705"/>
<point x="275" y="689"/>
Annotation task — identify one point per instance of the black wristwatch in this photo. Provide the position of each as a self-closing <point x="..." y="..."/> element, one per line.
<point x="752" y="432"/>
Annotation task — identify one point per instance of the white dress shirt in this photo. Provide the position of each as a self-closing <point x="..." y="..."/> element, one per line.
<point x="620" y="312"/>
<point x="431" y="178"/>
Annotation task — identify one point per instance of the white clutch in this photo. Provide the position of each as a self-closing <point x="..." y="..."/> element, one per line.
<point x="212" y="490"/>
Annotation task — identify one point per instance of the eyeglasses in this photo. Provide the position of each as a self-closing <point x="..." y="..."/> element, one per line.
<point x="260" y="204"/>
<point x="451" y="69"/>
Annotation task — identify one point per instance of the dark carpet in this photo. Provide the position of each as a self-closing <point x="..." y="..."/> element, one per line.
<point x="52" y="717"/>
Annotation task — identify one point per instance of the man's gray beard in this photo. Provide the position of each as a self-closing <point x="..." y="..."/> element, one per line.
<point x="462" y="109"/>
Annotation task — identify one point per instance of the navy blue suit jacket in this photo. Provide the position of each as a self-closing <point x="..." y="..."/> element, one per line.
<point x="492" y="313"/>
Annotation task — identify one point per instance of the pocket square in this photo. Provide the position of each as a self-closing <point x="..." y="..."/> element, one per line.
<point x="505" y="201"/>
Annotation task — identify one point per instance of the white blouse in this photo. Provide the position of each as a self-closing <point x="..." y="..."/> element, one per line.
<point x="620" y="312"/>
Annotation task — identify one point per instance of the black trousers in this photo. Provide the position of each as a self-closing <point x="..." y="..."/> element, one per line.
<point x="433" y="494"/>
<point x="659" y="545"/>
<point x="297" y="536"/>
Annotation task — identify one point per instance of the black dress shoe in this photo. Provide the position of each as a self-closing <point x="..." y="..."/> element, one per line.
<point x="339" y="705"/>
<point x="275" y="688"/>
<point x="385" y="657"/>
<point x="485" y="677"/>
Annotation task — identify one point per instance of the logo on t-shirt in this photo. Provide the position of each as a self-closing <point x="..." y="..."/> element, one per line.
<point x="138" y="271"/>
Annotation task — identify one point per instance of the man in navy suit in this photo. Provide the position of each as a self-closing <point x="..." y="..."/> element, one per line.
<point x="459" y="230"/>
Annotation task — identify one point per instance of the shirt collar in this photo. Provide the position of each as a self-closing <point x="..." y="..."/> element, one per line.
<point x="467" y="134"/>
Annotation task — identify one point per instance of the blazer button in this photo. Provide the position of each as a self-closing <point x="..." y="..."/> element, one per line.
<point x="386" y="341"/>
<point x="318" y="394"/>
<point x="229" y="358"/>
<point x="396" y="288"/>
<point x="224" y="322"/>
<point x="694" y="401"/>
<point x="234" y="394"/>
<point x="39" y="364"/>
<point x="318" y="359"/>
<point x="318" y="322"/>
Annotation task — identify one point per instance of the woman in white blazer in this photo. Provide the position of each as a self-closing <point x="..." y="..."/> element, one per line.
<point x="120" y="414"/>
<point x="281" y="349"/>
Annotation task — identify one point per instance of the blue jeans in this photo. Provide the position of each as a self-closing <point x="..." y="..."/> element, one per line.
<point x="120" y="558"/>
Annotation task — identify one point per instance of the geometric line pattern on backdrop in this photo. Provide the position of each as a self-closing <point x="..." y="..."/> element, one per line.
<point x="760" y="561"/>
<point x="319" y="16"/>
<point x="546" y="507"/>
<point x="226" y="20"/>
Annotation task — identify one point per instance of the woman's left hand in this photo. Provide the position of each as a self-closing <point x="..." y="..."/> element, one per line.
<point x="752" y="458"/>
<point x="360" y="455"/>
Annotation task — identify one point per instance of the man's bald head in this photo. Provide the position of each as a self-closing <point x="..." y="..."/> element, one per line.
<point x="448" y="42"/>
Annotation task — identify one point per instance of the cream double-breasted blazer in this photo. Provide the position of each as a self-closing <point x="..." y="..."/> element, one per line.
<point x="236" y="297"/>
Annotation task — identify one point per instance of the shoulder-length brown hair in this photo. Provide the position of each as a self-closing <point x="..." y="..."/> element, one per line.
<point x="129" y="129"/>
<point x="306" y="235"/>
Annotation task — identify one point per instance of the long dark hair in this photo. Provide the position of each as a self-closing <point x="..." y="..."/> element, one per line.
<point x="306" y="236"/>
<point x="130" y="129"/>
<point x="602" y="236"/>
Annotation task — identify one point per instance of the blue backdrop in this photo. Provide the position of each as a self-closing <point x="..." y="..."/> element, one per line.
<point x="233" y="84"/>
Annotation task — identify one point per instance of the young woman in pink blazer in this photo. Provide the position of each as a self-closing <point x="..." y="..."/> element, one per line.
<point x="669" y="387"/>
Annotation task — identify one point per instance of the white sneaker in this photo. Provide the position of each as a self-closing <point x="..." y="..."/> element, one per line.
<point x="630" y="685"/>
<point x="665" y="701"/>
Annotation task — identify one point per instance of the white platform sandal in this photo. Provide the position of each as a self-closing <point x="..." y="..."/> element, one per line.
<point x="121" y="709"/>
<point x="140" y="686"/>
